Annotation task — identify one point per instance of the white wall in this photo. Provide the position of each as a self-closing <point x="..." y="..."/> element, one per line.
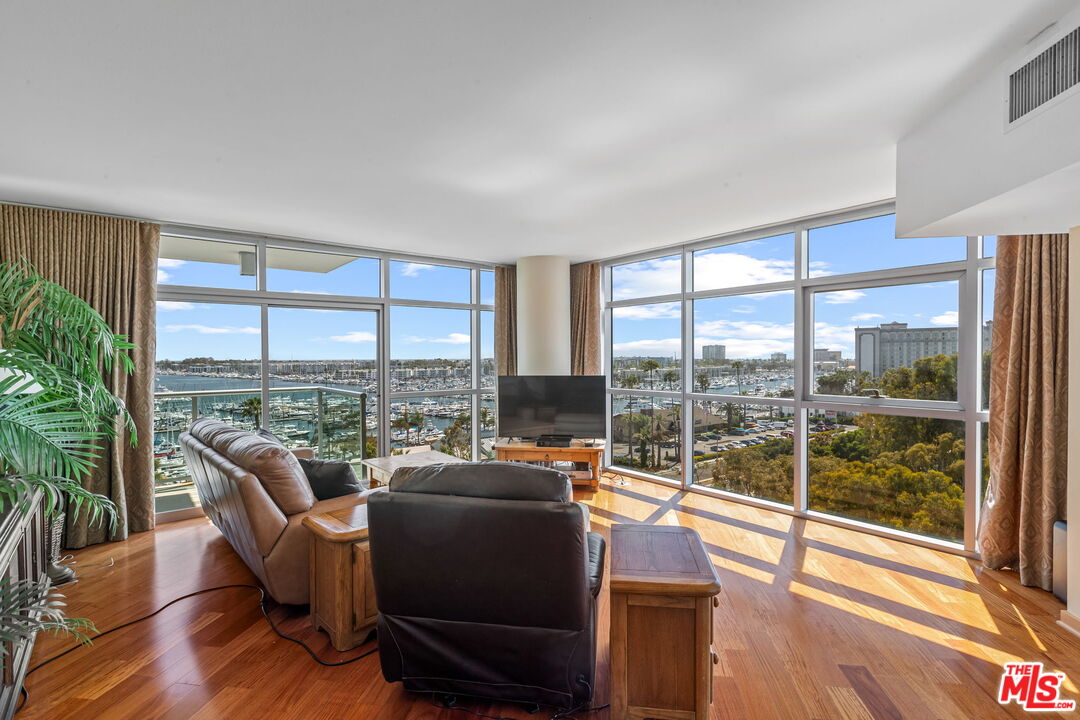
<point x="958" y="172"/>
<point x="543" y="315"/>
<point x="1073" y="508"/>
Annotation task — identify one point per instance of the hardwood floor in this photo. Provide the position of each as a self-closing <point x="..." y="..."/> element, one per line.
<point x="814" y="621"/>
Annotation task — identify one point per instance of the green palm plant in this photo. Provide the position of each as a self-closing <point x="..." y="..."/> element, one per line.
<point x="56" y="411"/>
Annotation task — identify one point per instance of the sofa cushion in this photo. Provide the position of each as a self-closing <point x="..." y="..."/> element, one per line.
<point x="330" y="478"/>
<point x="277" y="469"/>
<point x="214" y="433"/>
<point x="492" y="480"/>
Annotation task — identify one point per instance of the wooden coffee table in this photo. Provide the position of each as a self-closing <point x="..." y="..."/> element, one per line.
<point x="663" y="588"/>
<point x="342" y="592"/>
<point x="381" y="469"/>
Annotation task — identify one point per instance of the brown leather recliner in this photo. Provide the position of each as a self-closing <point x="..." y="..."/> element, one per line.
<point x="486" y="577"/>
<point x="256" y="493"/>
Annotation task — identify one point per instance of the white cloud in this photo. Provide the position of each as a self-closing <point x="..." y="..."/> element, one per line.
<point x="413" y="269"/>
<point x="209" y="330"/>
<point x="647" y="278"/>
<point x="841" y="297"/>
<point x="309" y="292"/>
<point x="659" y="311"/>
<point x="166" y="263"/>
<point x="451" y="339"/>
<point x="864" y="317"/>
<point x="666" y="346"/>
<point x="745" y="339"/>
<point x="169" y="306"/>
<point x="950" y="318"/>
<point x="731" y="269"/>
<point x="835" y="337"/>
<point x="355" y="336"/>
<point x="743" y="310"/>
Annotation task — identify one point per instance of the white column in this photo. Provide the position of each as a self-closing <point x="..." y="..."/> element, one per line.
<point x="543" y="315"/>
<point x="1070" y="618"/>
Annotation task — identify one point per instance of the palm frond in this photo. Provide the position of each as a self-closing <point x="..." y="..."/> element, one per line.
<point x="40" y="436"/>
<point x="28" y="607"/>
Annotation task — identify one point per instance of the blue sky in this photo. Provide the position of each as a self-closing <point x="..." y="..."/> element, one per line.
<point x="225" y="331"/>
<point x="756" y="325"/>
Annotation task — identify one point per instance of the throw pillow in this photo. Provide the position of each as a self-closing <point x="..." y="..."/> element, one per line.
<point x="330" y="478"/>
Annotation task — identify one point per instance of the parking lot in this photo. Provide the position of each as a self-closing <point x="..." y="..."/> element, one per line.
<point x="708" y="443"/>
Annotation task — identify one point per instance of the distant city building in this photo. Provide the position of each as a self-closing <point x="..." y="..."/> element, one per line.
<point x="894" y="345"/>
<point x="778" y="357"/>
<point x="714" y="352"/>
<point x="822" y="355"/>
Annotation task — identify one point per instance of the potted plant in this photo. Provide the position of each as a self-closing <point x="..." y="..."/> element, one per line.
<point x="56" y="411"/>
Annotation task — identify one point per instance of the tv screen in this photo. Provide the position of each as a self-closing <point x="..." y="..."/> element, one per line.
<point x="535" y="405"/>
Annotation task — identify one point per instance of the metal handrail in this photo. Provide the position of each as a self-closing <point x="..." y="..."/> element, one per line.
<point x="319" y="391"/>
<point x="258" y="391"/>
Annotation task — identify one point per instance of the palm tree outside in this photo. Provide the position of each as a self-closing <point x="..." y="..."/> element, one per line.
<point x="650" y="366"/>
<point x="630" y="382"/>
<point x="252" y="409"/>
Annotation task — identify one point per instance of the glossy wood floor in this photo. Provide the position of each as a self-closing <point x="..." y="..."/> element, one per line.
<point x="814" y="622"/>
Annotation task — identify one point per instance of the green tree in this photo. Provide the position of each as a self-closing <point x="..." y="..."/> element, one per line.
<point x="670" y="377"/>
<point x="252" y="408"/>
<point x="649" y="367"/>
<point x="401" y="422"/>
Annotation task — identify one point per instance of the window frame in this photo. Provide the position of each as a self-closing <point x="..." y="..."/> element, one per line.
<point x="967" y="407"/>
<point x="380" y="304"/>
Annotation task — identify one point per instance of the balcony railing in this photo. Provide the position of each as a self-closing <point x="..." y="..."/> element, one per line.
<point x="333" y="422"/>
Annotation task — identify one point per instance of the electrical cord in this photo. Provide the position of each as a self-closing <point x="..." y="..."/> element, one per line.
<point x="448" y="701"/>
<point x="262" y="606"/>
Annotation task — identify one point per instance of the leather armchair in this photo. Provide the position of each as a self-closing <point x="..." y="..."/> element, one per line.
<point x="486" y="577"/>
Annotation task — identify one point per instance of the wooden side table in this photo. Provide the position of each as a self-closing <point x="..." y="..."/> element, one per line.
<point x="381" y="469"/>
<point x="663" y="588"/>
<point x="342" y="593"/>
<point x="577" y="452"/>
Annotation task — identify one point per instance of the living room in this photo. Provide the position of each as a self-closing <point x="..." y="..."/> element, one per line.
<point x="559" y="360"/>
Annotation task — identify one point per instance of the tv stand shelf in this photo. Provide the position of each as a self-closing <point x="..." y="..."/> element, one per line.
<point x="524" y="451"/>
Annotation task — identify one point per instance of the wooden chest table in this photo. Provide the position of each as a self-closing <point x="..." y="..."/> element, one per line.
<point x="342" y="593"/>
<point x="663" y="591"/>
<point x="577" y="452"/>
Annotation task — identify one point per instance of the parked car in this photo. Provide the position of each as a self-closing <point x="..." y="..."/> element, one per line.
<point x="740" y="431"/>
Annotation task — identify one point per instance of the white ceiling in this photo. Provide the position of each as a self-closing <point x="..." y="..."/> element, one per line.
<point x="479" y="129"/>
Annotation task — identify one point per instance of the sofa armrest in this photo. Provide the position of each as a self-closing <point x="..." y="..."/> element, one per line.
<point x="305" y="452"/>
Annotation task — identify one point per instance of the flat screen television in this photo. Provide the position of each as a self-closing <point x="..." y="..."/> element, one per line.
<point x="535" y="405"/>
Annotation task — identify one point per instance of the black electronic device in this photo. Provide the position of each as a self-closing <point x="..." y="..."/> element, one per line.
<point x="535" y="406"/>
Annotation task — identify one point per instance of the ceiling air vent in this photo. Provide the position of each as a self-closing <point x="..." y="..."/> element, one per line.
<point x="1048" y="75"/>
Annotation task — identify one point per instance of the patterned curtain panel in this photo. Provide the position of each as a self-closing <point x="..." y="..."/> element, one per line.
<point x="1028" y="414"/>
<point x="586" y="317"/>
<point x="506" y="320"/>
<point x="112" y="264"/>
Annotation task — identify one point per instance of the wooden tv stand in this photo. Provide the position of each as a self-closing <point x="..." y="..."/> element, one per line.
<point x="523" y="451"/>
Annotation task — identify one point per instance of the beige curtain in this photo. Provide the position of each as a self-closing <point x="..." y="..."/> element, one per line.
<point x="506" y="320"/>
<point x="1029" y="393"/>
<point x="586" y="317"/>
<point x="112" y="264"/>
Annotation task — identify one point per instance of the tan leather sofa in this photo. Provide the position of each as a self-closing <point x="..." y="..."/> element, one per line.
<point x="256" y="493"/>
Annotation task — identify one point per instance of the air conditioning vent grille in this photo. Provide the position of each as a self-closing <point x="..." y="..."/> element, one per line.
<point x="1048" y="75"/>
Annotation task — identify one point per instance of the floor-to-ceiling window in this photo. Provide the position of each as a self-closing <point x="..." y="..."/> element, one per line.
<point x="824" y="366"/>
<point x="352" y="353"/>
